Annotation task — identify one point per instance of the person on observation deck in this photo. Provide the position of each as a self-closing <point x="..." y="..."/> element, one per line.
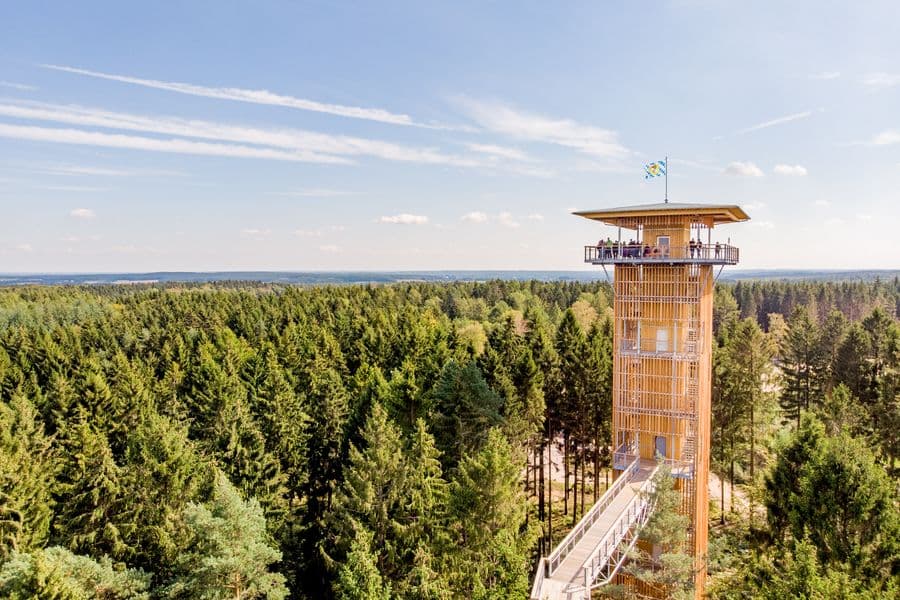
<point x="693" y="246"/>
<point x="718" y="249"/>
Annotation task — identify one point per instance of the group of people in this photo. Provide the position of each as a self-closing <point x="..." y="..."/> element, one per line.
<point x="635" y="249"/>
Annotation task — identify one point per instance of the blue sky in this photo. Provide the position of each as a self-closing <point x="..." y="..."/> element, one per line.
<point x="424" y="135"/>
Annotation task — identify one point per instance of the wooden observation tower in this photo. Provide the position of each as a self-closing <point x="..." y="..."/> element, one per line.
<point x="662" y="357"/>
<point x="663" y="281"/>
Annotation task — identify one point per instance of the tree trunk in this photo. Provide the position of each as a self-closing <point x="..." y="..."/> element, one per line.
<point x="722" y="504"/>
<point x="565" y="473"/>
<point x="575" y="488"/>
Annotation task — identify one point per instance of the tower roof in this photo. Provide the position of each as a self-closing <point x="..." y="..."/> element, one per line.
<point x="719" y="213"/>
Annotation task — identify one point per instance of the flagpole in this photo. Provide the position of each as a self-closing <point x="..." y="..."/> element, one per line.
<point x="667" y="179"/>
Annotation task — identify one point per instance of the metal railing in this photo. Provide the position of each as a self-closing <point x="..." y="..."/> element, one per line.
<point x="539" y="574"/>
<point x="604" y="562"/>
<point x="590" y="517"/>
<point x="718" y="253"/>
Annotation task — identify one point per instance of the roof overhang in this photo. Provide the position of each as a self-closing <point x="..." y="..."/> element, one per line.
<point x="716" y="213"/>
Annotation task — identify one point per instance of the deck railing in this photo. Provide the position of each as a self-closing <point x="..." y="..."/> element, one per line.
<point x="574" y="536"/>
<point x="616" y="253"/>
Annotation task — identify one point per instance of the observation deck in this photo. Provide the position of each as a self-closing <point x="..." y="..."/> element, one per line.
<point x="645" y="254"/>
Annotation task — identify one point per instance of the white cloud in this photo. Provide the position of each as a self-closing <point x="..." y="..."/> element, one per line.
<point x="502" y="118"/>
<point x="763" y="224"/>
<point x="255" y="233"/>
<point x="834" y="221"/>
<point x="308" y="232"/>
<point x="24" y="247"/>
<point x="744" y="169"/>
<point x="82" y="213"/>
<point x="499" y="151"/>
<point x="404" y="219"/>
<point x="251" y="96"/>
<point x="174" y="145"/>
<point x="330" y="248"/>
<point x="755" y="206"/>
<point x="506" y="219"/>
<point x="778" y="121"/>
<point x="880" y="81"/>
<point x="18" y="86"/>
<point x="864" y="217"/>
<point x="825" y="75"/>
<point x="886" y="138"/>
<point x="475" y="217"/>
<point x="535" y="217"/>
<point x="822" y="203"/>
<point x="80" y="170"/>
<point x="315" y="193"/>
<point x="74" y="188"/>
<point x="795" y="170"/>
<point x="306" y="146"/>
<point x="74" y="239"/>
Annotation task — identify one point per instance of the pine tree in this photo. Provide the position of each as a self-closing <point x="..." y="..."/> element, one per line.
<point x="671" y="570"/>
<point x="370" y="499"/>
<point x="91" y="496"/>
<point x="57" y="574"/>
<point x="803" y="364"/>
<point x="493" y="544"/>
<point x="466" y="408"/>
<point x="28" y="465"/>
<point x="228" y="553"/>
<point x="359" y="578"/>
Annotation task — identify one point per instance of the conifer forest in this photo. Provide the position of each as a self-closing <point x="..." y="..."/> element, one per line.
<point x="423" y="440"/>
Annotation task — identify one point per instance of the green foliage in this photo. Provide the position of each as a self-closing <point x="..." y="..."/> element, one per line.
<point x="228" y="551"/>
<point x="493" y="542"/>
<point x="28" y="465"/>
<point x="671" y="569"/>
<point x="359" y="577"/>
<point x="57" y="574"/>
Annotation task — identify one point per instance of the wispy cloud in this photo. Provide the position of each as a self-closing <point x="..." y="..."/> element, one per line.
<point x="74" y="188"/>
<point x="89" y="171"/>
<point x="778" y="121"/>
<point x="404" y="219"/>
<point x="475" y="217"/>
<point x="763" y="224"/>
<point x="307" y="146"/>
<point x="499" y="151"/>
<point x="822" y="203"/>
<point x="175" y="145"/>
<point x="825" y="75"/>
<point x="315" y="193"/>
<point x="18" y="86"/>
<point x="881" y="81"/>
<point x="330" y="248"/>
<point x="24" y="247"/>
<point x="318" y="232"/>
<point x="535" y="217"/>
<point x="863" y="217"/>
<point x="743" y="169"/>
<point x="508" y="120"/>
<point x="792" y="170"/>
<point x="755" y="205"/>
<point x="77" y="239"/>
<point x="82" y="213"/>
<point x="251" y="96"/>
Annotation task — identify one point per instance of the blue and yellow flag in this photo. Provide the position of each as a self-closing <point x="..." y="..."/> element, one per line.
<point x="655" y="169"/>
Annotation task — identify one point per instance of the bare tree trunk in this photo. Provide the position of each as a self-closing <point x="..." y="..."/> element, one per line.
<point x="565" y="473"/>
<point x="575" y="488"/>
<point x="722" y="504"/>
<point x="596" y="465"/>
